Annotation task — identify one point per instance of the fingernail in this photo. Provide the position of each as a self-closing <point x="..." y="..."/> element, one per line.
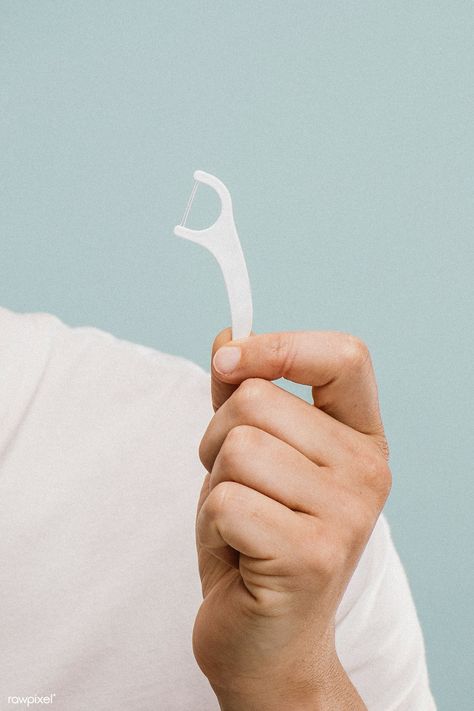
<point x="226" y="359"/>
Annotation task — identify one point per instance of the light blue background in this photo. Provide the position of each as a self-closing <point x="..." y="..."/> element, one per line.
<point x="344" y="132"/>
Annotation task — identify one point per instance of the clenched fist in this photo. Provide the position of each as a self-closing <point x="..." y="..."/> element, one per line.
<point x="292" y="494"/>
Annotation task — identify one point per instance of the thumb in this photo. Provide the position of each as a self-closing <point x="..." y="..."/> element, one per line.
<point x="220" y="390"/>
<point x="337" y="366"/>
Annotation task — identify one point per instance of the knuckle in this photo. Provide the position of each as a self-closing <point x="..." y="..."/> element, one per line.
<point x="328" y="559"/>
<point x="218" y="500"/>
<point x="249" y="394"/>
<point x="377" y="475"/>
<point x="204" y="451"/>
<point x="355" y="352"/>
<point x="237" y="441"/>
<point x="384" y="480"/>
<point x="282" y="353"/>
<point x="322" y="555"/>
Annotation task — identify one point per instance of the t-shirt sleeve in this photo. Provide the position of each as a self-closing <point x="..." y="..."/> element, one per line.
<point x="378" y="635"/>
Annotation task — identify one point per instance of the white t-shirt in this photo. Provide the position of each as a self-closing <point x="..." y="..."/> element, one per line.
<point x="99" y="479"/>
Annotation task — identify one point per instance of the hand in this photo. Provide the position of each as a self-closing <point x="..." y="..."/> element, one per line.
<point x="292" y="494"/>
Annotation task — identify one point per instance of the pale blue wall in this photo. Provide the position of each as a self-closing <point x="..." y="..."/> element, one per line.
<point x="344" y="131"/>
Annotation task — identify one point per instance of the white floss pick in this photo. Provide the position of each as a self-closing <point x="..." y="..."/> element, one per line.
<point x="222" y="240"/>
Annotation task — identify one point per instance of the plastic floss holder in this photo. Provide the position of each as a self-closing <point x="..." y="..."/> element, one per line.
<point x="222" y="240"/>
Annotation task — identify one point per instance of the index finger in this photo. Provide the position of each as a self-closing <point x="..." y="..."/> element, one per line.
<point x="337" y="366"/>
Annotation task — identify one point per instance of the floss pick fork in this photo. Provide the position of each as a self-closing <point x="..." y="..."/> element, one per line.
<point x="222" y="240"/>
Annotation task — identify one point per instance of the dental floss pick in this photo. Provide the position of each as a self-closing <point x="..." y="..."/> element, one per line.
<point x="222" y="240"/>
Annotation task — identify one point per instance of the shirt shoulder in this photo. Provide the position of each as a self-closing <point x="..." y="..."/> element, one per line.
<point x="99" y="480"/>
<point x="45" y="362"/>
<point x="378" y="634"/>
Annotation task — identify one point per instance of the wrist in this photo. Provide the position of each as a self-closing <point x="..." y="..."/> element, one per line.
<point x="334" y="692"/>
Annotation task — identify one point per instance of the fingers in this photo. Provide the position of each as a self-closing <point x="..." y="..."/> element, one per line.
<point x="264" y="405"/>
<point x="264" y="463"/>
<point x="246" y="520"/>
<point x="257" y="480"/>
<point x="336" y="365"/>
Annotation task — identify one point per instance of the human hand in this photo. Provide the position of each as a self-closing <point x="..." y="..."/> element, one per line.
<point x="292" y="495"/>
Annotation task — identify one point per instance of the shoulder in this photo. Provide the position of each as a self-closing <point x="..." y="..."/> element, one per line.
<point x="22" y="334"/>
<point x="45" y="362"/>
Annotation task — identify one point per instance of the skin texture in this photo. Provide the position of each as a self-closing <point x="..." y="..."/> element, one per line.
<point x="292" y="493"/>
